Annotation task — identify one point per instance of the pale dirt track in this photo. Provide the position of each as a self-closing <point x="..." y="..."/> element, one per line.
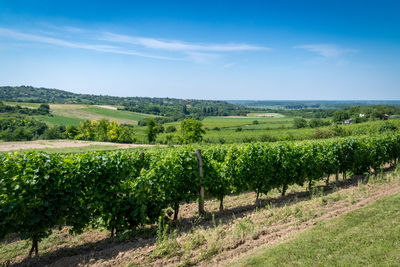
<point x="43" y="144"/>
<point x="285" y="231"/>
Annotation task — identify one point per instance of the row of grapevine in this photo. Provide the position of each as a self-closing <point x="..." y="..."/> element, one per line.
<point x="123" y="190"/>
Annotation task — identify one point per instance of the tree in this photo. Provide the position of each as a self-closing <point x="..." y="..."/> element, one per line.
<point x="314" y="123"/>
<point x="101" y="130"/>
<point x="55" y="132"/>
<point x="170" y="129"/>
<point x="44" y="109"/>
<point x="192" y="131"/>
<point x="340" y="116"/>
<point x="299" y="123"/>
<point x="72" y="131"/>
<point x="153" y="129"/>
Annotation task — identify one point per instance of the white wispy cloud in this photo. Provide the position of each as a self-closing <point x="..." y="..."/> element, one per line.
<point x="106" y="42"/>
<point x="174" y="45"/>
<point x="229" y="65"/>
<point x="201" y="58"/>
<point x="327" y="50"/>
<point x="94" y="47"/>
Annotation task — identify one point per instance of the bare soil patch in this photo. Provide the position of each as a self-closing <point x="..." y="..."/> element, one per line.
<point x="43" y="144"/>
<point x="106" y="107"/>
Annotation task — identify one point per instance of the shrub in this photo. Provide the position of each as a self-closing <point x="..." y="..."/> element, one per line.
<point x="299" y="123"/>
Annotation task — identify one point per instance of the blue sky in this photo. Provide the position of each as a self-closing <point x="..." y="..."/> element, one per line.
<point x="262" y="50"/>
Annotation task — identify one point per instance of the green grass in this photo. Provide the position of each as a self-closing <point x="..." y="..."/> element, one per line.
<point x="119" y="114"/>
<point x="270" y="115"/>
<point x="59" y="120"/>
<point x="367" y="236"/>
<point x="22" y="247"/>
<point x="22" y="104"/>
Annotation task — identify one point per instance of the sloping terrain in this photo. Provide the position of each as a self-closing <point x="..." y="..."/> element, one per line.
<point x="224" y="238"/>
<point x="366" y="236"/>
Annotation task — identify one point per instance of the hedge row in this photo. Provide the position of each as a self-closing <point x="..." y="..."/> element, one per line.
<point x="124" y="190"/>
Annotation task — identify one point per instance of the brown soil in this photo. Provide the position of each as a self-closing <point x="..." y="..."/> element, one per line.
<point x="42" y="144"/>
<point x="97" y="250"/>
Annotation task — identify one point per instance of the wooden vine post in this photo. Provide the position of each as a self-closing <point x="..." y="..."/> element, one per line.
<point x="201" y="197"/>
<point x="142" y="158"/>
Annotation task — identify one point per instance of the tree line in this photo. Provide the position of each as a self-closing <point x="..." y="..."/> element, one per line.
<point x="172" y="108"/>
<point x="43" y="109"/>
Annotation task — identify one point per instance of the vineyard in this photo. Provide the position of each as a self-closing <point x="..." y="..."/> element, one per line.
<point x="125" y="190"/>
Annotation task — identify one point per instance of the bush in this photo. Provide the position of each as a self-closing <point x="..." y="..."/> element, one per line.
<point x="21" y="129"/>
<point x="320" y="134"/>
<point x="268" y="138"/>
<point x="170" y="129"/>
<point x="387" y="126"/>
<point x="55" y="132"/>
<point x="299" y="123"/>
<point x="315" y="123"/>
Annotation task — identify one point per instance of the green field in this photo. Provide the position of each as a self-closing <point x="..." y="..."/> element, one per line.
<point x="268" y="129"/>
<point x="118" y="114"/>
<point x="367" y="236"/>
<point x="265" y="115"/>
<point x="254" y="127"/>
<point x="72" y="114"/>
<point x="59" y="120"/>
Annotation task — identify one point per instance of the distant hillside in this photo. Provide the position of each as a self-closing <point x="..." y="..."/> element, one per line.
<point x="169" y="107"/>
<point x="311" y="104"/>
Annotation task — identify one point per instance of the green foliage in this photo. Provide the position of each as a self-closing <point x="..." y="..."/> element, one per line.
<point x="387" y="126"/>
<point x="315" y="123"/>
<point x="21" y="129"/>
<point x="299" y="123"/>
<point x="153" y="129"/>
<point x="175" y="109"/>
<point x="123" y="190"/>
<point x="192" y="131"/>
<point x="44" y="109"/>
<point x="71" y="131"/>
<point x="102" y="130"/>
<point x="340" y="115"/>
<point x="170" y="129"/>
<point x="55" y="132"/>
<point x="33" y="195"/>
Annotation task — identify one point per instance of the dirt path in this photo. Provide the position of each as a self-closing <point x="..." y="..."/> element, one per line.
<point x="282" y="232"/>
<point x="42" y="144"/>
<point x="273" y="224"/>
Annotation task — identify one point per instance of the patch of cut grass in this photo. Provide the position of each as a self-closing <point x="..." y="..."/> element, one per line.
<point x="367" y="236"/>
<point x="118" y="114"/>
<point x="59" y="120"/>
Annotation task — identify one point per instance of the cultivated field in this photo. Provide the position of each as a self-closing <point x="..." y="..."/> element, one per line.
<point x="242" y="229"/>
<point x="72" y="114"/>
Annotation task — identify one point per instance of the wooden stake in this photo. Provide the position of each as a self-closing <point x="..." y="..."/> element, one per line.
<point x="142" y="157"/>
<point x="201" y="197"/>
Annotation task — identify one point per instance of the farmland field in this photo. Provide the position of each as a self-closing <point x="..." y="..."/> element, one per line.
<point x="72" y="114"/>
<point x="237" y="233"/>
